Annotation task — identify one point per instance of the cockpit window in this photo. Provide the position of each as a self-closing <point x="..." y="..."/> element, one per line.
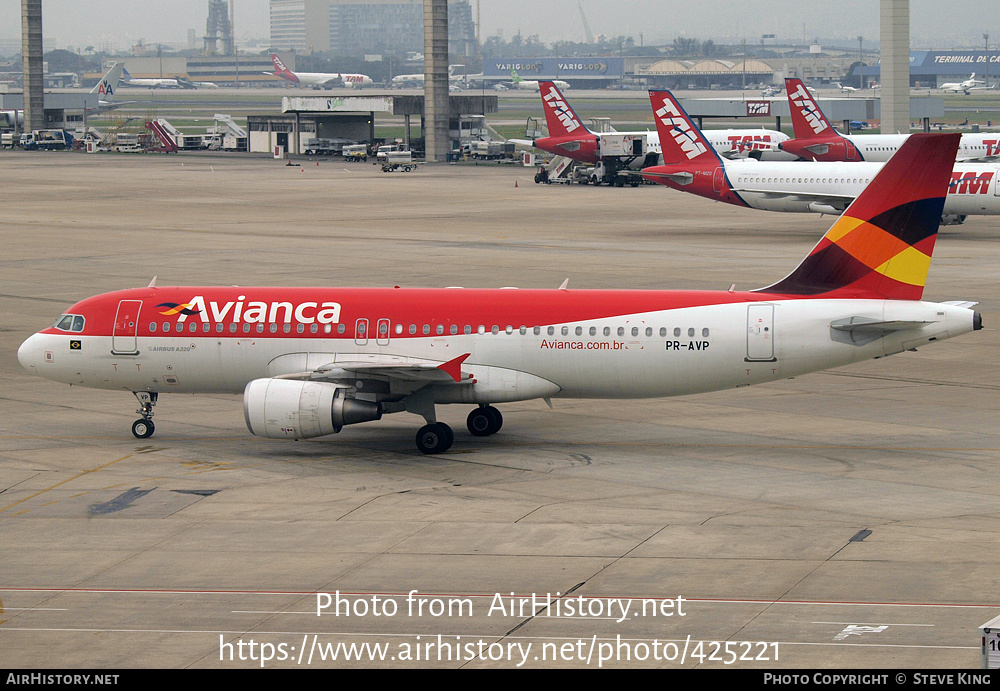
<point x="69" y="322"/>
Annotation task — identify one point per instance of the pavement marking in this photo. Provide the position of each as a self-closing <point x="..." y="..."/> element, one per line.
<point x="63" y="482"/>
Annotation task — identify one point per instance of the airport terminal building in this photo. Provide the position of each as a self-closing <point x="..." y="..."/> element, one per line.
<point x="928" y="69"/>
<point x="932" y="68"/>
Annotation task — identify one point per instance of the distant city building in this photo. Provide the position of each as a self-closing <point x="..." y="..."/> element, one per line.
<point x="357" y="27"/>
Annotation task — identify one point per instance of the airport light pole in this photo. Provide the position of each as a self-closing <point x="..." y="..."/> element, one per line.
<point x="986" y="37"/>
<point x="861" y="63"/>
<point x="744" y="63"/>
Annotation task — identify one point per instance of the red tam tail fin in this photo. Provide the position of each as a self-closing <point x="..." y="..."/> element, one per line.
<point x="680" y="139"/>
<point x="559" y="115"/>
<point x="279" y="67"/>
<point x="807" y="119"/>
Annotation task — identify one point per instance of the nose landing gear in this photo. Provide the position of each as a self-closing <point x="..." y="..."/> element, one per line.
<point x="143" y="428"/>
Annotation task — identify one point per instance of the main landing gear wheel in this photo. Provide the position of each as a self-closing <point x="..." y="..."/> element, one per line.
<point x="484" y="421"/>
<point x="143" y="429"/>
<point x="435" y="438"/>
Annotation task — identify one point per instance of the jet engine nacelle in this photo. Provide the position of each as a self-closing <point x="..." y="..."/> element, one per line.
<point x="292" y="409"/>
<point x="952" y="220"/>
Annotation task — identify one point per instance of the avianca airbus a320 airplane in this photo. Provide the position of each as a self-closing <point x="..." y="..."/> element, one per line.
<point x="312" y="360"/>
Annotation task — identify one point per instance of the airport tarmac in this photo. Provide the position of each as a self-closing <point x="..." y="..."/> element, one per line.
<point x="846" y="519"/>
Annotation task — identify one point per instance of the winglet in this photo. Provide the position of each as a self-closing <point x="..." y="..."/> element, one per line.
<point x="453" y="368"/>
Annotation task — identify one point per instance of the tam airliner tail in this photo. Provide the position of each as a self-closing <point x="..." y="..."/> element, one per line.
<point x="881" y="246"/>
<point x="680" y="140"/>
<point x="815" y="138"/>
<point x="568" y="136"/>
<point x="560" y="117"/>
<point x="280" y="70"/>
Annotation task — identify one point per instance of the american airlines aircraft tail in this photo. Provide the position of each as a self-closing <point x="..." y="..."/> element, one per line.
<point x="108" y="86"/>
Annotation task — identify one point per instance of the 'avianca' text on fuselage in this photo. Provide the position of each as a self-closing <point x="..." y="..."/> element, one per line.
<point x="310" y="361"/>
<point x="252" y="312"/>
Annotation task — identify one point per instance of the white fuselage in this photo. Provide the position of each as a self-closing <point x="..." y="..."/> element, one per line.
<point x="663" y="353"/>
<point x="731" y="143"/>
<point x="881" y="147"/>
<point x="325" y="78"/>
<point x="804" y="187"/>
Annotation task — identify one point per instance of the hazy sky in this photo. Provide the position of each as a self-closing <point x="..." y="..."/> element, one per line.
<point x="119" y="23"/>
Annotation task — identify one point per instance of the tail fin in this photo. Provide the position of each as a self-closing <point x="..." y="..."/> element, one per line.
<point x="680" y="139"/>
<point x="280" y="70"/>
<point x="108" y="85"/>
<point x="559" y="115"/>
<point x="807" y="119"/>
<point x="125" y="74"/>
<point x="881" y="247"/>
<point x="515" y="76"/>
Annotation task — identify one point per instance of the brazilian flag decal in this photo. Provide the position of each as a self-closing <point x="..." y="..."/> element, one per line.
<point x="75" y="345"/>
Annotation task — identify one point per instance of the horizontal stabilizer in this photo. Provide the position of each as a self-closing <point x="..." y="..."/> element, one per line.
<point x="867" y="324"/>
<point x="818" y="149"/>
<point x="681" y="178"/>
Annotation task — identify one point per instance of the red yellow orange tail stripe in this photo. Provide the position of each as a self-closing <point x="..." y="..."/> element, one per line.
<point x="882" y="245"/>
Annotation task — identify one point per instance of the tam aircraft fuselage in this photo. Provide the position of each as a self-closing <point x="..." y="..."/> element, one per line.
<point x="820" y="187"/>
<point x="521" y="344"/>
<point x="881" y="147"/>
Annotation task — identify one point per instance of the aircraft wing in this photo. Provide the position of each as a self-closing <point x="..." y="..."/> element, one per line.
<point x="837" y="201"/>
<point x="979" y="159"/>
<point x="392" y="368"/>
